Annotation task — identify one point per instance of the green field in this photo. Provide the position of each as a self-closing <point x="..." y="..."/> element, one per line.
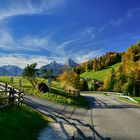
<point x="21" y="124"/>
<point x="99" y="75"/>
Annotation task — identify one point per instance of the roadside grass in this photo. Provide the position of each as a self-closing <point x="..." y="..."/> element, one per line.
<point x="21" y="124"/>
<point x="99" y="75"/>
<point x="125" y="99"/>
<point x="57" y="94"/>
<point x="60" y="96"/>
<point x="136" y="99"/>
<point x="79" y="101"/>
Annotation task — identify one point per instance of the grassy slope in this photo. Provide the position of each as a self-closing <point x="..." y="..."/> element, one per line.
<point x="99" y="75"/>
<point x="58" y="95"/>
<point x="21" y="124"/>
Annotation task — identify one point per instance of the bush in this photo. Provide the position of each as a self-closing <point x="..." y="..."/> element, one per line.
<point x="83" y="85"/>
<point x="43" y="87"/>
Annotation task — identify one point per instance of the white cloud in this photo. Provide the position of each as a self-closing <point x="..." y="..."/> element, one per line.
<point x="61" y="47"/>
<point x="81" y="40"/>
<point x="23" y="60"/>
<point x="117" y="22"/>
<point x="25" y="43"/>
<point x="5" y="39"/>
<point x="130" y="36"/>
<point x="87" y="55"/>
<point x="37" y="43"/>
<point x="34" y="41"/>
<point x="132" y="13"/>
<point x="46" y="42"/>
<point x="13" y="8"/>
<point x="89" y="33"/>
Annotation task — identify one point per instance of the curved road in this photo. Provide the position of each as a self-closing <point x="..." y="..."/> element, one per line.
<point x="107" y="118"/>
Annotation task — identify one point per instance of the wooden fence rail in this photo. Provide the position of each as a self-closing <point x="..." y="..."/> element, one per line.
<point x="13" y="96"/>
<point x="74" y="93"/>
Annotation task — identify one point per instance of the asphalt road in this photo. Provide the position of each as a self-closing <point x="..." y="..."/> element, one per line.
<point x="107" y="118"/>
<point x="115" y="119"/>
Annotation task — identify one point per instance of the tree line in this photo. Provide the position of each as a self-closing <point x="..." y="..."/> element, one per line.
<point x="99" y="63"/>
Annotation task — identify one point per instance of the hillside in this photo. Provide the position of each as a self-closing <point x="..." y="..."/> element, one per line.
<point x="125" y="75"/>
<point x="99" y="75"/>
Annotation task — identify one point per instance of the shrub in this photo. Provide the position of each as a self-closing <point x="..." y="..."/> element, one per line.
<point x="43" y="87"/>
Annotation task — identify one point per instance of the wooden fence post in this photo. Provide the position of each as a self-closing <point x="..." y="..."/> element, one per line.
<point x="11" y="98"/>
<point x="6" y="88"/>
<point x="20" y="96"/>
<point x="20" y="83"/>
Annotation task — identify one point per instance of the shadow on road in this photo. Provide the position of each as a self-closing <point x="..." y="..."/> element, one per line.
<point x="101" y="104"/>
<point x="61" y="118"/>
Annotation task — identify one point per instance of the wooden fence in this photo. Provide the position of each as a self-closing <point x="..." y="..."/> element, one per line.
<point x="74" y="93"/>
<point x="10" y="96"/>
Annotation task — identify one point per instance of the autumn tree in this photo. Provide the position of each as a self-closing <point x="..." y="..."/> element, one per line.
<point x="133" y="53"/>
<point x="110" y="81"/>
<point x="70" y="80"/>
<point x="95" y="64"/>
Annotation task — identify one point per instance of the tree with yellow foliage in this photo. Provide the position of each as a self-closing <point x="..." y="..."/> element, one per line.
<point x="70" y="80"/>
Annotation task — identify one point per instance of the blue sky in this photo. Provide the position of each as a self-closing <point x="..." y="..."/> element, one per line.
<point x="45" y="30"/>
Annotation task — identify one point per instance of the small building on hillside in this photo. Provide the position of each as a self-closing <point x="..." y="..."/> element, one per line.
<point x="97" y="82"/>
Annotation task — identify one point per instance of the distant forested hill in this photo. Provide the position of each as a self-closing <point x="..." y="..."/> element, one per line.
<point x="120" y="71"/>
<point x="99" y="63"/>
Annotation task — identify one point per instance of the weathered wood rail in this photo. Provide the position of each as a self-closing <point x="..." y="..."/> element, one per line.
<point x="73" y="93"/>
<point x="11" y="95"/>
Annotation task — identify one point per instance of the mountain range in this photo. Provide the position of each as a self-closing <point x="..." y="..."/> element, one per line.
<point x="59" y="68"/>
<point x="11" y="70"/>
